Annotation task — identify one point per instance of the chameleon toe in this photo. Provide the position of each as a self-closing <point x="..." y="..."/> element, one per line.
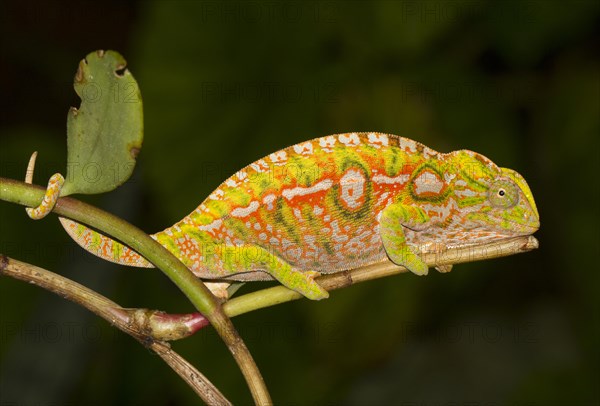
<point x="417" y="267"/>
<point x="317" y="293"/>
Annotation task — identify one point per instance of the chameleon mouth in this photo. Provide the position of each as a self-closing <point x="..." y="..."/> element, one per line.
<point x="530" y="226"/>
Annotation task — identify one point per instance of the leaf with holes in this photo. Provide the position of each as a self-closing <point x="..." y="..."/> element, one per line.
<point x="104" y="135"/>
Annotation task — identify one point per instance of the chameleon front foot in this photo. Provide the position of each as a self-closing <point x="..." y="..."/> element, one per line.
<point x="393" y="218"/>
<point x="409" y="260"/>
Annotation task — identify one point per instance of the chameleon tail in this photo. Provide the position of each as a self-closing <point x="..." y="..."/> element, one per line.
<point x="90" y="240"/>
<point x="102" y="246"/>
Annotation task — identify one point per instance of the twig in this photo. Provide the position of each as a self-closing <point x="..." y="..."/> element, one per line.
<point x="115" y="315"/>
<point x="281" y="294"/>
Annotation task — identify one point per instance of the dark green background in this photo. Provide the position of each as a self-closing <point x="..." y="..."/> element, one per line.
<point x="227" y="83"/>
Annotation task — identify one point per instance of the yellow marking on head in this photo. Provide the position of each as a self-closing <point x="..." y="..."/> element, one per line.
<point x="520" y="181"/>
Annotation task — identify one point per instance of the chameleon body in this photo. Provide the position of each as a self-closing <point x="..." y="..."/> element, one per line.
<point x="335" y="203"/>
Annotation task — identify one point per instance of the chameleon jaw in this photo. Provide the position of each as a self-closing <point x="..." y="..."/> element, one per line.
<point x="527" y="227"/>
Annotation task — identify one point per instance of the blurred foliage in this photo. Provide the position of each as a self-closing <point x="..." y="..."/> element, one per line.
<point x="225" y="83"/>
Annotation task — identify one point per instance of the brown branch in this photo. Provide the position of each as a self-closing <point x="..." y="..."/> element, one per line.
<point x="138" y="323"/>
<point x="202" y="386"/>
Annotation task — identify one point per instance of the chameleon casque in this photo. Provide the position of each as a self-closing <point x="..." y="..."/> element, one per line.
<point x="335" y="203"/>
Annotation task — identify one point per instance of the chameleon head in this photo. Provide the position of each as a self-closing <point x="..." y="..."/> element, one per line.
<point x="508" y="207"/>
<point x="494" y="200"/>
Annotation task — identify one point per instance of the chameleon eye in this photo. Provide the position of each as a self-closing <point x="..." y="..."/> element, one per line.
<point x="503" y="193"/>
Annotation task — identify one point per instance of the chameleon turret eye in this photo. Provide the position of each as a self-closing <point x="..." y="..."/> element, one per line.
<point x="503" y="193"/>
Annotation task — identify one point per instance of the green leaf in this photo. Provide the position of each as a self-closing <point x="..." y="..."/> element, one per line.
<point x="105" y="134"/>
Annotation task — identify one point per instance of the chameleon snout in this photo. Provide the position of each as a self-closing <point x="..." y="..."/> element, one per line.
<point x="534" y="222"/>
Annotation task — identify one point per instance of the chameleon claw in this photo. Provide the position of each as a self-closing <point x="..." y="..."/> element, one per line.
<point x="314" y="291"/>
<point x="317" y="294"/>
<point x="52" y="191"/>
<point x="305" y="284"/>
<point x="407" y="258"/>
<point x="417" y="267"/>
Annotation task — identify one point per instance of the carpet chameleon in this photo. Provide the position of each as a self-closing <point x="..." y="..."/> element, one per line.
<point x="331" y="204"/>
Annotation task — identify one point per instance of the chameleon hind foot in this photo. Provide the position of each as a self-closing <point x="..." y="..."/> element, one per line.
<point x="52" y="192"/>
<point x="302" y="282"/>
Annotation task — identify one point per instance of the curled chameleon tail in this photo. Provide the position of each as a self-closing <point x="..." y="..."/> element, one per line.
<point x="90" y="240"/>
<point x="52" y="191"/>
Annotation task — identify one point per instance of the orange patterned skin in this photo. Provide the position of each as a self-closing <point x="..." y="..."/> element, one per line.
<point x="335" y="203"/>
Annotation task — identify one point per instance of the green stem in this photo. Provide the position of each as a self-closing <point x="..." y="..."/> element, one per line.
<point x="30" y="195"/>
